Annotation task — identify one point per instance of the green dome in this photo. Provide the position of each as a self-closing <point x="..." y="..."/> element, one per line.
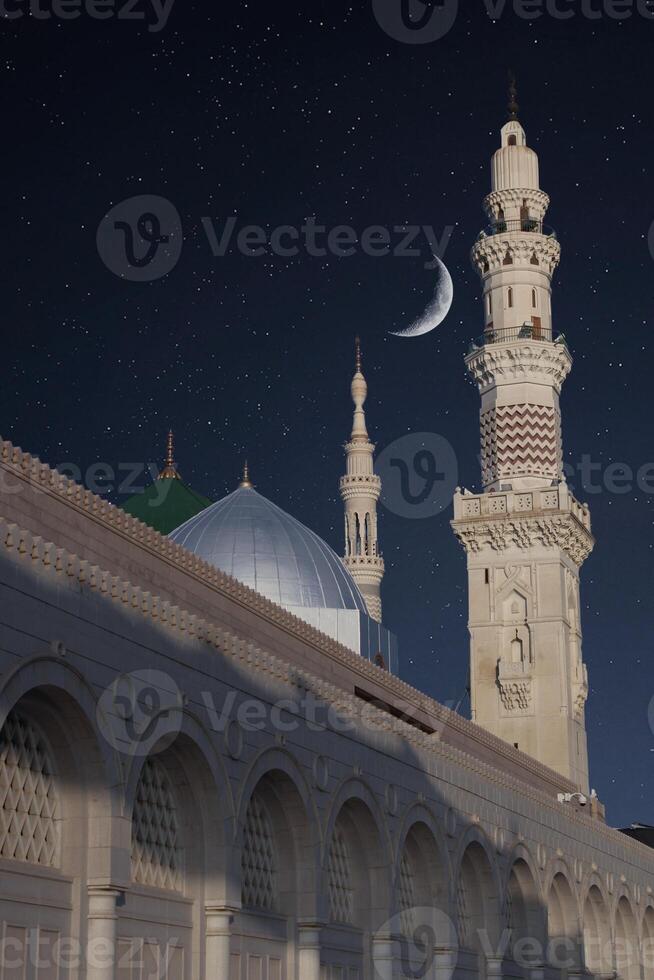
<point x="167" y="502"/>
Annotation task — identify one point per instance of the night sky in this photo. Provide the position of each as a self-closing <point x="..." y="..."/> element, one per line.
<point x="276" y="113"/>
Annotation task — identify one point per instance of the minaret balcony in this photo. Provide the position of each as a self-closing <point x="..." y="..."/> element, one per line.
<point x="509" y="335"/>
<point x="519" y="225"/>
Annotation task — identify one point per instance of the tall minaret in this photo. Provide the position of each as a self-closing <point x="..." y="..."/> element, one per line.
<point x="526" y="536"/>
<point x="360" y="490"/>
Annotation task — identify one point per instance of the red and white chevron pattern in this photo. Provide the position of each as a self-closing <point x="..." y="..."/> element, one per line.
<point x="520" y="440"/>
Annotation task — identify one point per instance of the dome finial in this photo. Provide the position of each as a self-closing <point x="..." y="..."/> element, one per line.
<point x="246" y="483"/>
<point x="513" y="106"/>
<point x="169" y="472"/>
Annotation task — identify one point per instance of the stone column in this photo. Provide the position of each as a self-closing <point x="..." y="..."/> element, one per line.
<point x="309" y="950"/>
<point x="494" y="967"/>
<point x="383" y="958"/>
<point x="101" y="933"/>
<point x="445" y="960"/>
<point x="217" y="942"/>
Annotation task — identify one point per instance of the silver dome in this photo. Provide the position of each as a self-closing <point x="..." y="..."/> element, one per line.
<point x="262" y="546"/>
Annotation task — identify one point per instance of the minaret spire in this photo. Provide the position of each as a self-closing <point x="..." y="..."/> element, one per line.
<point x="359" y="390"/>
<point x="513" y="106"/>
<point x="360" y="490"/>
<point x="525" y="535"/>
<point x="169" y="472"/>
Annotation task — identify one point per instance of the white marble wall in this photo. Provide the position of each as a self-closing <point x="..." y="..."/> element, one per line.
<point x="423" y="826"/>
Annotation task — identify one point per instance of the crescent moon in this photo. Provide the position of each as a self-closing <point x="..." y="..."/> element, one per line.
<point x="437" y="310"/>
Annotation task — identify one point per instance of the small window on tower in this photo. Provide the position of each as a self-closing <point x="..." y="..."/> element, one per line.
<point x="489" y="304"/>
<point x="510" y="297"/>
<point x="534" y="259"/>
<point x="508" y="258"/>
<point x="513" y="140"/>
<point x="534" y="299"/>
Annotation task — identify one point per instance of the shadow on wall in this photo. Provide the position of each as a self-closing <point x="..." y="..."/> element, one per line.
<point x="251" y="828"/>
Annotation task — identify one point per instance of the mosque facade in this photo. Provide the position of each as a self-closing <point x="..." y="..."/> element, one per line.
<point x="205" y="772"/>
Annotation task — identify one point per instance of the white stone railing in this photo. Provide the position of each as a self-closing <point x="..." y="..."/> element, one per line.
<point x="536" y="502"/>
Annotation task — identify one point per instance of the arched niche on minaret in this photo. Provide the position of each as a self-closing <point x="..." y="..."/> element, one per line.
<point x="516" y="646"/>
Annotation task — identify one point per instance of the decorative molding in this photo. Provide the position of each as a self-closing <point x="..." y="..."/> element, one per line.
<point x="539" y="361"/>
<point x="489" y="251"/>
<point x="537" y="201"/>
<point x="515" y="686"/>
<point x="562" y="532"/>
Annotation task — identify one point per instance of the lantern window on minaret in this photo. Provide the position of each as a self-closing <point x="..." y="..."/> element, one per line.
<point x="525" y="535"/>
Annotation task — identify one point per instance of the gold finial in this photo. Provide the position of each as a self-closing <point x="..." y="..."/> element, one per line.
<point x="514" y="108"/>
<point x="246" y="483"/>
<point x="169" y="472"/>
<point x="357" y="347"/>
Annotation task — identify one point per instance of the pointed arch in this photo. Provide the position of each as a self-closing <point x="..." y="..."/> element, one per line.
<point x="283" y="800"/>
<point x="200" y="785"/>
<point x="564" y="940"/>
<point x="478" y="893"/>
<point x="627" y="947"/>
<point x="596" y="928"/>
<point x="88" y="768"/>
<point x="526" y="915"/>
<point x="358" y="865"/>
<point x="647" y="943"/>
<point x="422" y="872"/>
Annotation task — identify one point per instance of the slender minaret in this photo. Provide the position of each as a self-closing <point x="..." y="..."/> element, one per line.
<point x="360" y="490"/>
<point x="526" y="536"/>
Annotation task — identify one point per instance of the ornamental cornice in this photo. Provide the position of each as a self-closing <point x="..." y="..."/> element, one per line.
<point x="520" y="360"/>
<point x="489" y="252"/>
<point x="537" y="201"/>
<point x="364" y="568"/>
<point x="54" y="560"/>
<point x="504" y="533"/>
<point x="364" y="446"/>
<point x="366" y="485"/>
